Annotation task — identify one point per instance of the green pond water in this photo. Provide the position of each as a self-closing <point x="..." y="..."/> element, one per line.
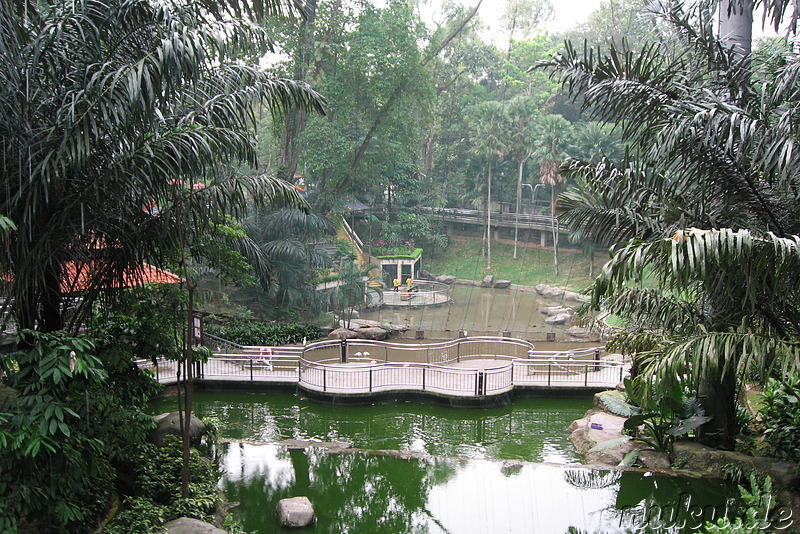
<point x="480" y="480"/>
<point x="529" y="429"/>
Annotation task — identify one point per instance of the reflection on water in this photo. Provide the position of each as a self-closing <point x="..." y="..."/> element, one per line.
<point x="359" y="493"/>
<point x="528" y="429"/>
<point x="476" y="310"/>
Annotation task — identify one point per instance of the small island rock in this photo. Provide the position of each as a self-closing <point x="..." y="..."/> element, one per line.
<point x="168" y="424"/>
<point x="187" y="525"/>
<point x="295" y="512"/>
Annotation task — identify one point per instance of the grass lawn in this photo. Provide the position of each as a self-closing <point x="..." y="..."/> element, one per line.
<point x="534" y="264"/>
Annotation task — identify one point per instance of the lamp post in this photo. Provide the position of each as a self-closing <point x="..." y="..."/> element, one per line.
<point x="533" y="190"/>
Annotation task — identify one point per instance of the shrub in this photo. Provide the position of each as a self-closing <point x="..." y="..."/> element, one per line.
<point x="780" y="414"/>
<point x="158" y="477"/>
<point x="256" y="333"/>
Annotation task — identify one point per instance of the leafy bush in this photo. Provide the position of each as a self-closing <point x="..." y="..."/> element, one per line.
<point x="780" y="414"/>
<point x="256" y="333"/>
<point x="60" y="434"/>
<point x="141" y="515"/>
<point x="158" y="478"/>
<point x="759" y="512"/>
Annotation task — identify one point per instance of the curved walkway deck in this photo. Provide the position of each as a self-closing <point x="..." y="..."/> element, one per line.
<point x="469" y="369"/>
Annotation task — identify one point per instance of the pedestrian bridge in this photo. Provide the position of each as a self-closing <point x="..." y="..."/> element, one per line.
<point x="470" y="370"/>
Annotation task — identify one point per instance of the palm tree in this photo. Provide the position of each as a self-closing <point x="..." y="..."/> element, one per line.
<point x="104" y="103"/>
<point x="286" y="238"/>
<point x="350" y="291"/>
<point x="108" y="105"/>
<point x="707" y="203"/>
<point x="522" y="114"/>
<point x="487" y="130"/>
<point x="552" y="136"/>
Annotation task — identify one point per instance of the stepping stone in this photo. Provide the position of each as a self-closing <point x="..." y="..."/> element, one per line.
<point x="295" y="512"/>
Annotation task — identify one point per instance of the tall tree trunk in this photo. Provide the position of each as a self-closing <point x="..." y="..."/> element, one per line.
<point x="295" y="121"/>
<point x="718" y="395"/>
<point x="489" y="217"/>
<point x="52" y="320"/>
<point x="189" y="377"/>
<point x="554" y="227"/>
<point x="736" y="24"/>
<point x="518" y="203"/>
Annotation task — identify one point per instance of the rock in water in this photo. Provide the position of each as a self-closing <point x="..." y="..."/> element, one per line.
<point x="561" y="318"/>
<point x="296" y="512"/>
<point x="187" y="525"/>
<point x="169" y="424"/>
<point x="488" y="281"/>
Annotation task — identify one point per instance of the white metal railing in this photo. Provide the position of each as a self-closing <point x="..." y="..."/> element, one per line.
<point x="362" y="366"/>
<point x="353" y="236"/>
<point x="442" y="353"/>
<point x="420" y="293"/>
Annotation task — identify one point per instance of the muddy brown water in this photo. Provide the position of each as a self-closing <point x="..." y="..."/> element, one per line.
<point x="479" y="311"/>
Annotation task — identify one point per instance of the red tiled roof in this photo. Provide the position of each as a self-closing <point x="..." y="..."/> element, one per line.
<point x="78" y="277"/>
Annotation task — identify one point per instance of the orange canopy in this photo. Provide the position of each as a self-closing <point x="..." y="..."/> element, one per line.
<point x="79" y="276"/>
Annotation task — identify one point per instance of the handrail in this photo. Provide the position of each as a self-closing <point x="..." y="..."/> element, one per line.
<point x="353" y="236"/>
<point x="478" y="215"/>
<point x="367" y="366"/>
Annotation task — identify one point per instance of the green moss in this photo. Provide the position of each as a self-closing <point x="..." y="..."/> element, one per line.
<point x="414" y="254"/>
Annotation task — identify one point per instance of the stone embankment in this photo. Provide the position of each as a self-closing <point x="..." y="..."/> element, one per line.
<point x="688" y="458"/>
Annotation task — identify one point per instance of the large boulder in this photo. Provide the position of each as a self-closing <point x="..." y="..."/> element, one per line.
<point x="654" y="460"/>
<point x="539" y="288"/>
<point x="488" y="281"/>
<point x="555" y="310"/>
<point x="446" y="279"/>
<point x="395" y="328"/>
<point x="295" y="512"/>
<point x="168" y="424"/>
<point x="713" y="462"/>
<point x="502" y="284"/>
<point x="187" y="525"/>
<point x="557" y="320"/>
<point x="373" y="332"/>
<point x="355" y="324"/>
<point x="574" y="297"/>
<point x="342" y="333"/>
<point x="598" y="427"/>
<point x="552" y="293"/>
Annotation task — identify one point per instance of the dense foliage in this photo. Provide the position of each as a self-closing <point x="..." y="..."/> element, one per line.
<point x="705" y="205"/>
<point x="110" y="108"/>
<point x="65" y="431"/>
<point x="156" y="499"/>
<point x="268" y="334"/>
<point x="780" y="414"/>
